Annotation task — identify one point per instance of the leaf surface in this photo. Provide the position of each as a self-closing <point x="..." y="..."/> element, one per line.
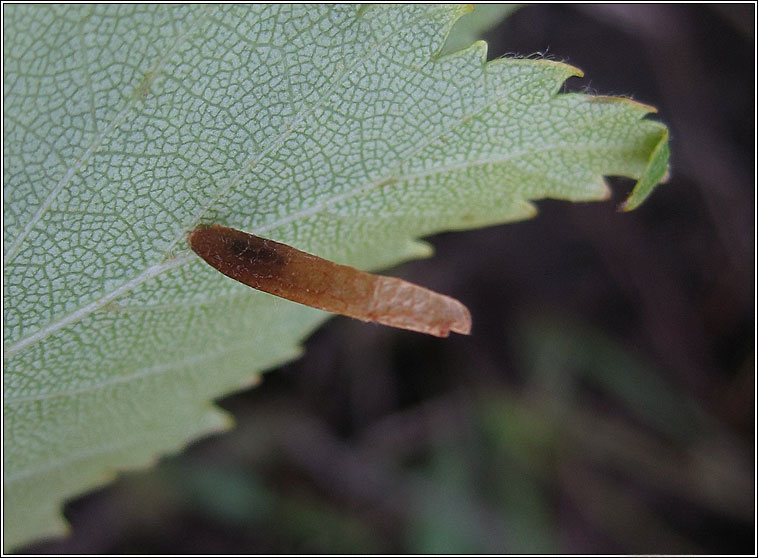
<point x="338" y="130"/>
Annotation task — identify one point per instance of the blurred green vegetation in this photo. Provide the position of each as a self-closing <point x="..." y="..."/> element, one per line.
<point x="593" y="435"/>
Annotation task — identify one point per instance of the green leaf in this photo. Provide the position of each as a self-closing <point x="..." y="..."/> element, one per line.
<point x="338" y="130"/>
<point x="472" y="25"/>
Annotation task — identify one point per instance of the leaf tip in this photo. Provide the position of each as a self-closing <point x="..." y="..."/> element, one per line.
<point x="604" y="191"/>
<point x="614" y="99"/>
<point x="567" y="70"/>
<point x="530" y="210"/>
<point x="656" y="172"/>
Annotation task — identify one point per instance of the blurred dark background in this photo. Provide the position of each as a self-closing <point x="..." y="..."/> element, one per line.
<point x="605" y="402"/>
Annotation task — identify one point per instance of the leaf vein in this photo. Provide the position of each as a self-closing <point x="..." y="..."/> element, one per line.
<point x="15" y="246"/>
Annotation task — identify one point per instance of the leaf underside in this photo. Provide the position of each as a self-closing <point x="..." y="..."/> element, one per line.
<point x="339" y="130"/>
